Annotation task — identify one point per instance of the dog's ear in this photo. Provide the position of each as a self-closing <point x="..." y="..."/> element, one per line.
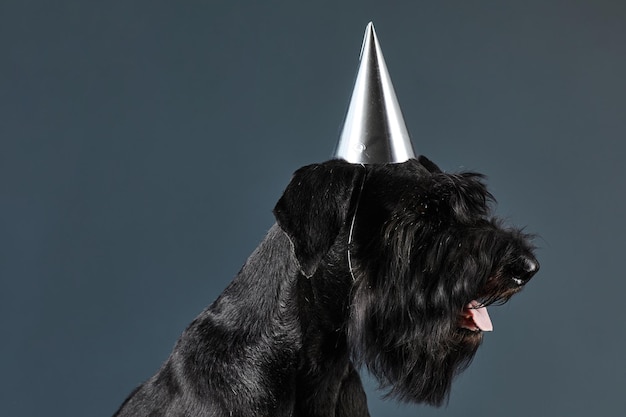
<point x="315" y="206"/>
<point x="428" y="164"/>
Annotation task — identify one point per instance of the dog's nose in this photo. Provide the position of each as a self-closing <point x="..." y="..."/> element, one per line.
<point x="528" y="268"/>
<point x="532" y="266"/>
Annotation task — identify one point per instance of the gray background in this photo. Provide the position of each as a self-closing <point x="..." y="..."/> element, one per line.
<point x="143" y="145"/>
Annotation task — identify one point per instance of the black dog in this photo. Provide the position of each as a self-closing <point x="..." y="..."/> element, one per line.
<point x="387" y="266"/>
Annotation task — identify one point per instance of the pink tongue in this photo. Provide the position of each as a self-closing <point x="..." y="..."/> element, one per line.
<point x="480" y="316"/>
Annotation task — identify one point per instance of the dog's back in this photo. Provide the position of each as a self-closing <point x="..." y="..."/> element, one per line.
<point x="222" y="361"/>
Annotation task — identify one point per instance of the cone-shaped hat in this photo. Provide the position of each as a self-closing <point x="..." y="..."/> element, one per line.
<point x="374" y="130"/>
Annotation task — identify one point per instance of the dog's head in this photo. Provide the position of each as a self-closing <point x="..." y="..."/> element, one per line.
<point x="424" y="256"/>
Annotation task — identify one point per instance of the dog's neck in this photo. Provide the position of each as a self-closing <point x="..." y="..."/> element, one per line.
<point x="272" y="260"/>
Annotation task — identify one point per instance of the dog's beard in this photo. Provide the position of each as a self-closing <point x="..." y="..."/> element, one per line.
<point x="410" y="324"/>
<point x="429" y="378"/>
<point x="415" y="362"/>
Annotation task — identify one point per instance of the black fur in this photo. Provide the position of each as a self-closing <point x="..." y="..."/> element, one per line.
<point x="367" y="265"/>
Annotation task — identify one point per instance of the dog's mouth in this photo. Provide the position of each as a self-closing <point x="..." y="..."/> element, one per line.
<point x="475" y="317"/>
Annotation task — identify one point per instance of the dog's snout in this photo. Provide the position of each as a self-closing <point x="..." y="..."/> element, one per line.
<point x="528" y="268"/>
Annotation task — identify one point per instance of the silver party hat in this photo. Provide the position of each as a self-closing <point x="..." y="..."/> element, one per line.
<point x="374" y="131"/>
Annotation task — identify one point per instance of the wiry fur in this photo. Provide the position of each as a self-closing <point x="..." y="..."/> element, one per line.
<point x="367" y="265"/>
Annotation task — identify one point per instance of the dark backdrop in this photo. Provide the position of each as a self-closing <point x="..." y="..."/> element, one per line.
<point x="143" y="145"/>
